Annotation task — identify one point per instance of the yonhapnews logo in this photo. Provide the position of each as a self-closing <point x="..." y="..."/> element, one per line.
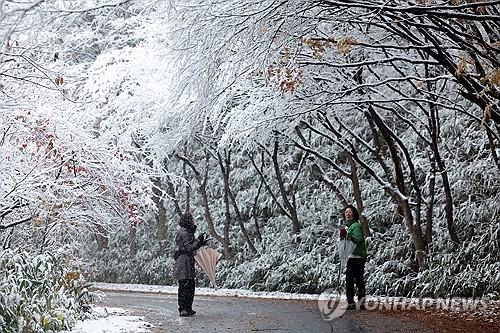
<point x="332" y="305"/>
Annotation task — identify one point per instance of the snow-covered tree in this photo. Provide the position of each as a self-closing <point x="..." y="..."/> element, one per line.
<point x="271" y="66"/>
<point x="57" y="176"/>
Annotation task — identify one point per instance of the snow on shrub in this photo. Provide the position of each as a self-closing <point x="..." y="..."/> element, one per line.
<point x="38" y="294"/>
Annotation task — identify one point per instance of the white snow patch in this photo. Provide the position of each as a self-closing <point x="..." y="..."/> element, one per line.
<point x="114" y="320"/>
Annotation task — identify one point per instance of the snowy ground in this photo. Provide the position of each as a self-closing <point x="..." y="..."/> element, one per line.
<point x="116" y="320"/>
<point x="112" y="320"/>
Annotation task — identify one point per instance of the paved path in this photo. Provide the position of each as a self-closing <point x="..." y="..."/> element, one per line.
<point x="238" y="314"/>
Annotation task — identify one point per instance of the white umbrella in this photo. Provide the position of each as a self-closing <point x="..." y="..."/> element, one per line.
<point x="345" y="248"/>
<point x="207" y="258"/>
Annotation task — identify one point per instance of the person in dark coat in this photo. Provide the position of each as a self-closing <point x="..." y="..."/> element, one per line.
<point x="356" y="263"/>
<point x="184" y="271"/>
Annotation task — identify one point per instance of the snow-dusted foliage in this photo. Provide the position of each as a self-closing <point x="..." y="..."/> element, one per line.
<point x="58" y="175"/>
<point x="40" y="293"/>
<point x="58" y="179"/>
<point x="116" y="264"/>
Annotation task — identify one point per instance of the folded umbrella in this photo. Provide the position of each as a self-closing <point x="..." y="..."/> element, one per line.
<point x="345" y="248"/>
<point x="207" y="259"/>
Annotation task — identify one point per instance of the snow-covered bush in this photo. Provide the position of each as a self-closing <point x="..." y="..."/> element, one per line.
<point x="39" y="294"/>
<point x="469" y="270"/>
<point x="306" y="262"/>
<point x="115" y="265"/>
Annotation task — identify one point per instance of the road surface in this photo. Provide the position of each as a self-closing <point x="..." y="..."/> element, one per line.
<point x="238" y="314"/>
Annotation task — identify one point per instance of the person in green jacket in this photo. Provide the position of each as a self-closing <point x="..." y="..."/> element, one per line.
<point x="356" y="263"/>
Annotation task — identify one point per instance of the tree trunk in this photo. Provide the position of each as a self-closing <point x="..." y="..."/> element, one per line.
<point x="172" y="194"/>
<point x="161" y="225"/>
<point x="282" y="209"/>
<point x="227" y="224"/>
<point x="430" y="209"/>
<point x="357" y="196"/>
<point x="133" y="241"/>
<point x="255" y="213"/>
<point x="416" y="236"/>
<point x="448" y="208"/>
<point x="401" y="197"/>
<point x="291" y="206"/>
<point x="225" y="166"/>
<point x="202" y="182"/>
<point x="102" y="238"/>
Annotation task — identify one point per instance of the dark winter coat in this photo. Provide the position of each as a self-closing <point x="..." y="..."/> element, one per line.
<point x="186" y="248"/>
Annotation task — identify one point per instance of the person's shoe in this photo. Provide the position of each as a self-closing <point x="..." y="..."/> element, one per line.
<point x="351" y="306"/>
<point x="184" y="313"/>
<point x="362" y="307"/>
<point x="191" y="313"/>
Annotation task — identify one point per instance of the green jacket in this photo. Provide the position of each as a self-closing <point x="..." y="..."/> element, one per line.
<point x="356" y="235"/>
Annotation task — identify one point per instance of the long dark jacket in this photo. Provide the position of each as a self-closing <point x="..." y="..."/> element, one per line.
<point x="186" y="248"/>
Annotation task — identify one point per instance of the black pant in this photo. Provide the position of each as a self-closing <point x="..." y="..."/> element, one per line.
<point x="354" y="274"/>
<point x="185" y="295"/>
